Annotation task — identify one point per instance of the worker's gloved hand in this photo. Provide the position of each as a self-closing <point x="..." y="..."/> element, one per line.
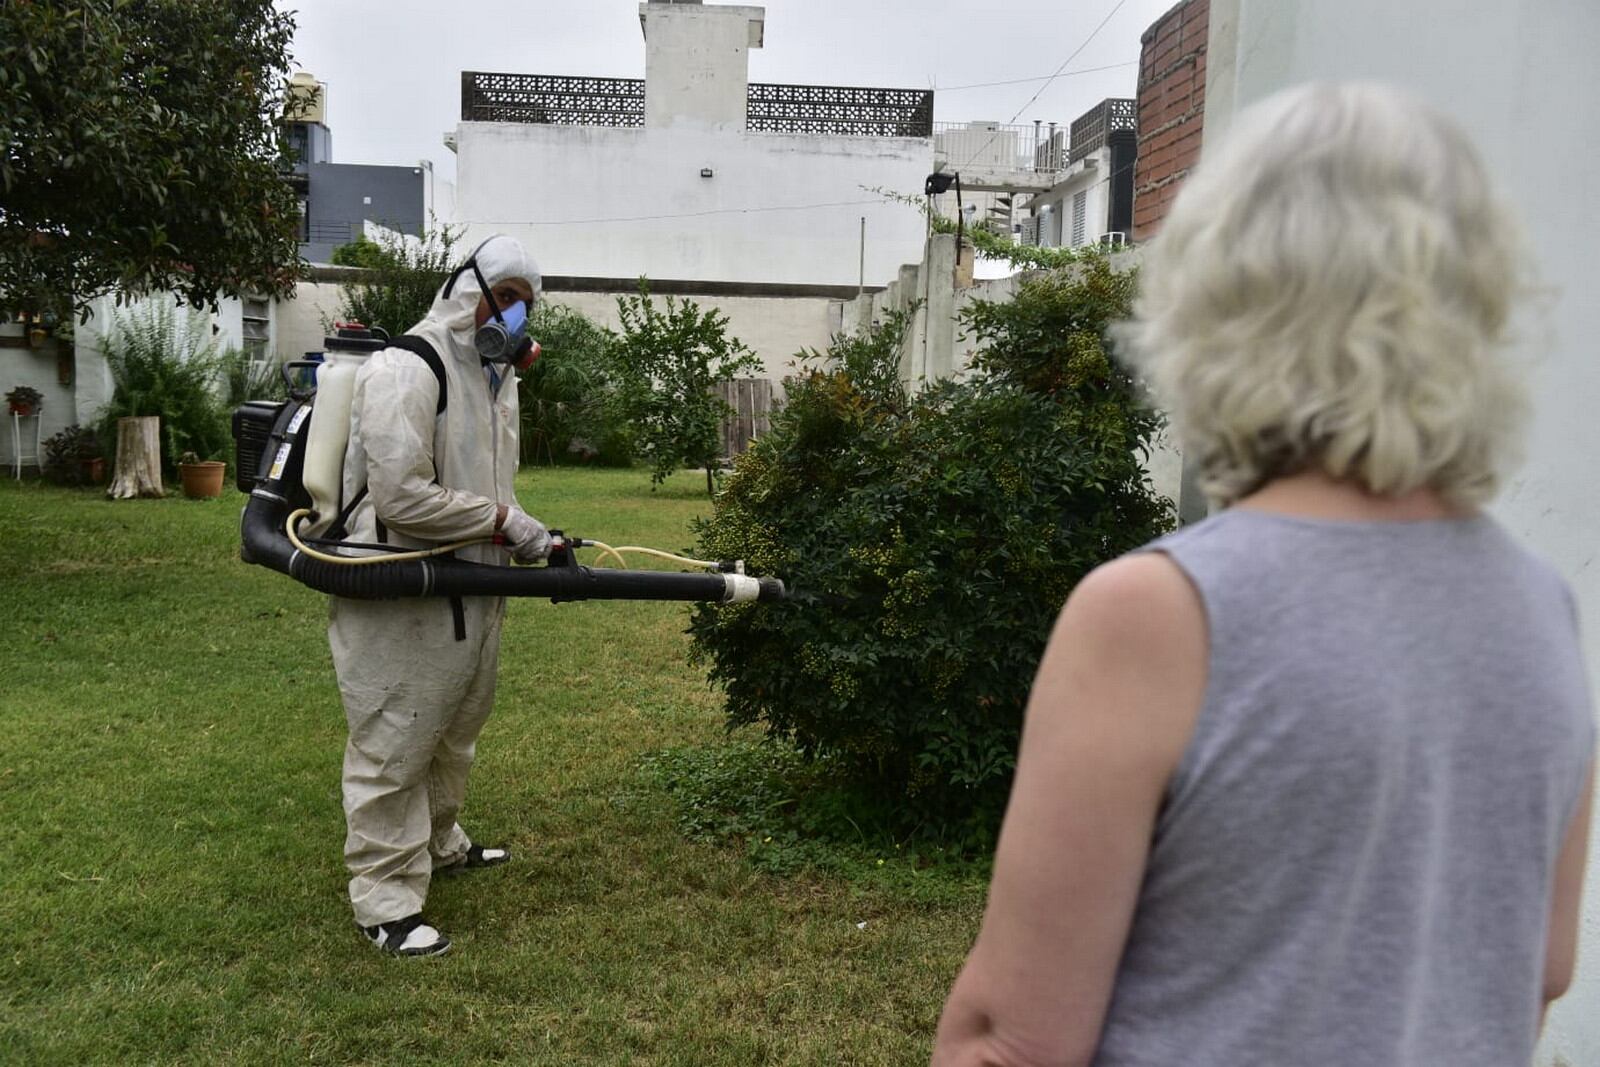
<point x="525" y="536"/>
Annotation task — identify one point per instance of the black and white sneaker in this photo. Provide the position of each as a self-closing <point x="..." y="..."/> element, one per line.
<point x="477" y="857"/>
<point x="410" y="936"/>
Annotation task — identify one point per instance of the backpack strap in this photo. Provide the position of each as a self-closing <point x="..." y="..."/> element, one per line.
<point x="418" y="347"/>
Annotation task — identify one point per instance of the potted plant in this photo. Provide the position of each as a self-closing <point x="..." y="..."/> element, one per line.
<point x="74" y="457"/>
<point x="201" y="478"/>
<point x="24" y="400"/>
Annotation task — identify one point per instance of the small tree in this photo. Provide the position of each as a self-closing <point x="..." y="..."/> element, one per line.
<point x="667" y="364"/>
<point x="405" y="276"/>
<point x="143" y="151"/>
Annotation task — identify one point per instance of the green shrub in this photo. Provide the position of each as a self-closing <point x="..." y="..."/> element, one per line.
<point x="362" y="252"/>
<point x="563" y="396"/>
<point x="165" y="363"/>
<point x="67" y="453"/>
<point x="870" y="359"/>
<point x="244" y="379"/>
<point x="929" y="543"/>
<point x="403" y="278"/>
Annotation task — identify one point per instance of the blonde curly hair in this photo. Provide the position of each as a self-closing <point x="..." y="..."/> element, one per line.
<point x="1331" y="291"/>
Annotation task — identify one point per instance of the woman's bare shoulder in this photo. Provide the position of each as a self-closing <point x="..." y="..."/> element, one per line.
<point x="1143" y="596"/>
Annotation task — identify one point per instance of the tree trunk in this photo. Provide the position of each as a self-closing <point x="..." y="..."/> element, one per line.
<point x="138" y="470"/>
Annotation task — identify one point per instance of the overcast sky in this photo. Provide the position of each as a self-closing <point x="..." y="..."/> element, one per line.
<point x="393" y="67"/>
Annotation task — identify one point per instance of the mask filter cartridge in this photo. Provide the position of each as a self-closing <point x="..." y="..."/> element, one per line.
<point x="498" y="339"/>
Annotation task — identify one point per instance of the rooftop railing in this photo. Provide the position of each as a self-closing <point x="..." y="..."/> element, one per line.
<point x="1032" y="149"/>
<point x="551" y="99"/>
<point x="839" y="110"/>
<point x="805" y="109"/>
<point x="1090" y="130"/>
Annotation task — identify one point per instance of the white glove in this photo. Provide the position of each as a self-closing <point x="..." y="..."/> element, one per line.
<point x="525" y="536"/>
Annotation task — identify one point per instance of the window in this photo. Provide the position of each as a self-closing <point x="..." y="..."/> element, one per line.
<point x="1080" y="216"/>
<point x="256" y="328"/>
<point x="298" y="139"/>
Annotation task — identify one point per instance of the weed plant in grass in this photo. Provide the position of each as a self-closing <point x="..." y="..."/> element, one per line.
<point x="171" y="883"/>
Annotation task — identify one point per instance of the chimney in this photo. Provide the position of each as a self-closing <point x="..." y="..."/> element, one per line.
<point x="697" y="62"/>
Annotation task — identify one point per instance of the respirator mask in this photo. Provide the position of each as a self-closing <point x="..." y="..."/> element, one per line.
<point x="503" y="338"/>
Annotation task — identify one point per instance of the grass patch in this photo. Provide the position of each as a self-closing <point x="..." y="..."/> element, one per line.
<point x="792" y="816"/>
<point x="171" y="882"/>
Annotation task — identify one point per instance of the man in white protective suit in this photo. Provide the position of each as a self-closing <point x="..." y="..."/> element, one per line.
<point x="417" y="676"/>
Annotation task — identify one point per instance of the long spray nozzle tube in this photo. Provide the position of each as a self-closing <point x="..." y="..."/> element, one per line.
<point x="264" y="542"/>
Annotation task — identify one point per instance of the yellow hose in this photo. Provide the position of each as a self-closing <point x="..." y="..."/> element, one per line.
<point x="423" y="553"/>
<point x="356" y="561"/>
<point x="607" y="550"/>
<point x="709" y="565"/>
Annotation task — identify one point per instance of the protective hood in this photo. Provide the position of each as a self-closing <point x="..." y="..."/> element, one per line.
<point x="498" y="258"/>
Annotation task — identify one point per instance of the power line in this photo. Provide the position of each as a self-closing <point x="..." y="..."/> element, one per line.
<point x="1092" y="34"/>
<point x="1040" y="78"/>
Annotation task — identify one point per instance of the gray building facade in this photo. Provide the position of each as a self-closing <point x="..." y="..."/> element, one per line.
<point x="341" y="196"/>
<point x="337" y="198"/>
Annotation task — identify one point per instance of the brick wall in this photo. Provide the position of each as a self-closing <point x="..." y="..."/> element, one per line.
<point x="1172" y="104"/>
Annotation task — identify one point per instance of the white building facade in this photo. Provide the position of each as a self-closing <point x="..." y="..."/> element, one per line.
<point x="694" y="173"/>
<point x="1092" y="201"/>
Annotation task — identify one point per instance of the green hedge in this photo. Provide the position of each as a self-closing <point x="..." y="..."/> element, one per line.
<point x="930" y="542"/>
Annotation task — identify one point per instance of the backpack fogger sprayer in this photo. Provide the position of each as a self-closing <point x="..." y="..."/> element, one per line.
<point x="289" y="457"/>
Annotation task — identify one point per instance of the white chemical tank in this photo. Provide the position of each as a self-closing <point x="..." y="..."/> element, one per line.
<point x="348" y="347"/>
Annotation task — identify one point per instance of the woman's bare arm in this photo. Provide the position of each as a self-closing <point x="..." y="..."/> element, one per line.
<point x="1112" y="708"/>
<point x="1561" y="945"/>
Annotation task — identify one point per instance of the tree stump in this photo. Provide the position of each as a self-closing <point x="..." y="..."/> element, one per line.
<point x="138" y="470"/>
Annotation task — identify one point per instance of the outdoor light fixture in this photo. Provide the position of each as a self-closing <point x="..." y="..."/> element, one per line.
<point x="705" y="172"/>
<point x="939" y="182"/>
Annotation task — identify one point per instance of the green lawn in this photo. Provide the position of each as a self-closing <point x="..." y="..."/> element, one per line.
<point x="171" y="889"/>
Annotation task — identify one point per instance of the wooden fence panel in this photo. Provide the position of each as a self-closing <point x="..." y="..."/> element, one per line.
<point x="751" y="401"/>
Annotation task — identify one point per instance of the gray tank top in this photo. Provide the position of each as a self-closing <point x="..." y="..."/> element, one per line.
<point x="1354" y="860"/>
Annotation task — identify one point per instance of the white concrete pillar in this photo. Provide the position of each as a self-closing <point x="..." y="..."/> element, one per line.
<point x="939" y="333"/>
<point x="1520" y="79"/>
<point x="697" y="63"/>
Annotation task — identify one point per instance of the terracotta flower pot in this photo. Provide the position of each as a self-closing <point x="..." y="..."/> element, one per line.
<point x="202" y="480"/>
<point x="94" y="470"/>
<point x="21" y="409"/>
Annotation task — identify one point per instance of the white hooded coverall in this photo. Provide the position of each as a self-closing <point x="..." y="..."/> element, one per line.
<point x="415" y="697"/>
